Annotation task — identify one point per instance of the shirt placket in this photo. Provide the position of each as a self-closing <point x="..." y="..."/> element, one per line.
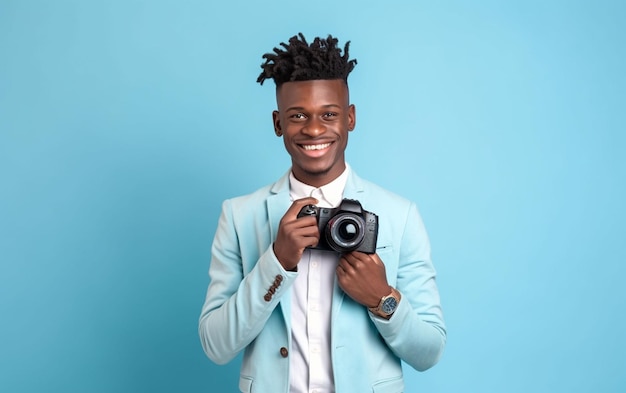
<point x="315" y="319"/>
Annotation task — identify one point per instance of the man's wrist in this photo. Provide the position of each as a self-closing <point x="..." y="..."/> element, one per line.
<point x="288" y="268"/>
<point x="387" y="305"/>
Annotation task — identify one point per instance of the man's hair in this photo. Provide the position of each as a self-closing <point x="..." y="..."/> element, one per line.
<point x="299" y="61"/>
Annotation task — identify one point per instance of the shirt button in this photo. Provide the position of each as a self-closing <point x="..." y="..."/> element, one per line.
<point x="284" y="352"/>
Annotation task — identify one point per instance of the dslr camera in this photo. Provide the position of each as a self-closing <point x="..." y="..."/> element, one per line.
<point x="345" y="228"/>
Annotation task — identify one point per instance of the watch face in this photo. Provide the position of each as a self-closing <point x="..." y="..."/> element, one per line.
<point x="389" y="305"/>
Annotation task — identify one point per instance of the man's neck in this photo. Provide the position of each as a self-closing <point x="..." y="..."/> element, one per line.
<point x="318" y="180"/>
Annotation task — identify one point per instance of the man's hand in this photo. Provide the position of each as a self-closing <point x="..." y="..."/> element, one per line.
<point x="295" y="234"/>
<point x="362" y="277"/>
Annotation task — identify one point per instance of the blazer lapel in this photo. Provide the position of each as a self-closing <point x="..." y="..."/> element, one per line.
<point x="354" y="187"/>
<point x="278" y="203"/>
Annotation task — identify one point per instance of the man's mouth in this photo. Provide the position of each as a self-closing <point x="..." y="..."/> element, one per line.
<point x="320" y="146"/>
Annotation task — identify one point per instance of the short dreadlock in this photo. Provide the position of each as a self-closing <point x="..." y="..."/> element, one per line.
<point x="322" y="59"/>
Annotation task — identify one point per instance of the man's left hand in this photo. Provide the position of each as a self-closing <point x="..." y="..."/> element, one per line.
<point x="362" y="276"/>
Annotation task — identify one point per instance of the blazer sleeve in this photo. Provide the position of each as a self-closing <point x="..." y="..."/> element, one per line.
<point x="416" y="332"/>
<point x="237" y="305"/>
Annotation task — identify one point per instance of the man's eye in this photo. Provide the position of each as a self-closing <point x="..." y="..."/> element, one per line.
<point x="298" y="116"/>
<point x="329" y="114"/>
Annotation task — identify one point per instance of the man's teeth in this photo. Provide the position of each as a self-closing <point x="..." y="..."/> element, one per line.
<point x="316" y="147"/>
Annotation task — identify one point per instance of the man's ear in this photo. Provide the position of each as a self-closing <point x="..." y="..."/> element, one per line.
<point x="351" y="117"/>
<point x="276" y="120"/>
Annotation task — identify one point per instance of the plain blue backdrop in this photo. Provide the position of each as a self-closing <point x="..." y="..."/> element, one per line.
<point x="124" y="124"/>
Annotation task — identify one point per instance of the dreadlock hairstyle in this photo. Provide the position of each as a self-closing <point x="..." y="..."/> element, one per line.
<point x="299" y="61"/>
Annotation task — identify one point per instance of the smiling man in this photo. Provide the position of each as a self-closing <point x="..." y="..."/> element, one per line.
<point x="323" y="279"/>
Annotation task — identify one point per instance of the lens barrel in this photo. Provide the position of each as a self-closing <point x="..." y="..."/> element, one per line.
<point x="345" y="232"/>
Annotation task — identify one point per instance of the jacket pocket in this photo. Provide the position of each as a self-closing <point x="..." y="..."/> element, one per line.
<point x="394" y="385"/>
<point x="385" y="253"/>
<point x="245" y="384"/>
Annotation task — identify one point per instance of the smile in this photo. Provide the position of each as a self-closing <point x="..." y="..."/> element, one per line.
<point x="321" y="146"/>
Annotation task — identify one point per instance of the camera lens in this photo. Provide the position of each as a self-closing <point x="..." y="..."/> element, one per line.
<point x="344" y="232"/>
<point x="348" y="231"/>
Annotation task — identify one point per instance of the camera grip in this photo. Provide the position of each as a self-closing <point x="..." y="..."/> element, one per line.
<point x="308" y="210"/>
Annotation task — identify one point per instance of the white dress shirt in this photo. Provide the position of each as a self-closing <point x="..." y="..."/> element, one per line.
<point x="311" y="369"/>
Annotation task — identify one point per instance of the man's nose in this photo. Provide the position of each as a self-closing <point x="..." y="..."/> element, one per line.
<point x="314" y="127"/>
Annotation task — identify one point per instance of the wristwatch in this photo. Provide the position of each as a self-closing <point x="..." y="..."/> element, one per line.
<point x="387" y="305"/>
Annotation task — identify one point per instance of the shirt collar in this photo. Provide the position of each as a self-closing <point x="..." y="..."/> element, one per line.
<point x="328" y="195"/>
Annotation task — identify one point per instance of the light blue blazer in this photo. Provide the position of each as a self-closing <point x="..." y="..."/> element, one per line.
<point x="248" y="301"/>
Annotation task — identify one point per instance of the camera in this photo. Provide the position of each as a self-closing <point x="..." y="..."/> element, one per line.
<point x="345" y="228"/>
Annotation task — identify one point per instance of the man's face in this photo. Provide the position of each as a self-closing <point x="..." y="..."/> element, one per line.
<point x="314" y="118"/>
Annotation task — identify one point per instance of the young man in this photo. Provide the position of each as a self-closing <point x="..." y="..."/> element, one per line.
<point x="311" y="316"/>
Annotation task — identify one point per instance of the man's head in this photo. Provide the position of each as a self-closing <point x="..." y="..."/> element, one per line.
<point x="314" y="112"/>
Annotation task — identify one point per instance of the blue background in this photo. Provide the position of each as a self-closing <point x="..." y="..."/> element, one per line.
<point x="124" y="124"/>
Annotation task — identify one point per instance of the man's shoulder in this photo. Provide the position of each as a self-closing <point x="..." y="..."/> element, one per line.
<point x="252" y="199"/>
<point x="383" y="195"/>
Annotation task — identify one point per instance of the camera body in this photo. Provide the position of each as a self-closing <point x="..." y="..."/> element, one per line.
<point x="345" y="228"/>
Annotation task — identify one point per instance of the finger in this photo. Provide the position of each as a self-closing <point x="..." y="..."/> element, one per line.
<point x="365" y="258"/>
<point x="297" y="205"/>
<point x="341" y="271"/>
<point x="305" y="242"/>
<point x="355" y="258"/>
<point x="361" y="255"/>
<point x="299" y="223"/>
<point x="376" y="259"/>
<point x="347" y="259"/>
<point x="308" y="234"/>
<point x="345" y="265"/>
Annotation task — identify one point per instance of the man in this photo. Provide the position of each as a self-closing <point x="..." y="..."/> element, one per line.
<point x="310" y="318"/>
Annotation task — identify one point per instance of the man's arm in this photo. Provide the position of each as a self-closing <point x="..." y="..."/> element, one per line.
<point x="415" y="332"/>
<point x="237" y="306"/>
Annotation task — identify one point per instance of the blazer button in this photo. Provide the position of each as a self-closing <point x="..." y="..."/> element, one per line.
<point x="267" y="297"/>
<point x="284" y="352"/>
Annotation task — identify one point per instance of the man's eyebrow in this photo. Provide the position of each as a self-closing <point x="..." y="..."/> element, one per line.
<point x="300" y="108"/>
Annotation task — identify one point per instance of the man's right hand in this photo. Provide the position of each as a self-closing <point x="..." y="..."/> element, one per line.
<point x="295" y="234"/>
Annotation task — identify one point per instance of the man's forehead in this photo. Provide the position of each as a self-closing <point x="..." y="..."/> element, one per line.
<point x="312" y="88"/>
<point x="309" y="99"/>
